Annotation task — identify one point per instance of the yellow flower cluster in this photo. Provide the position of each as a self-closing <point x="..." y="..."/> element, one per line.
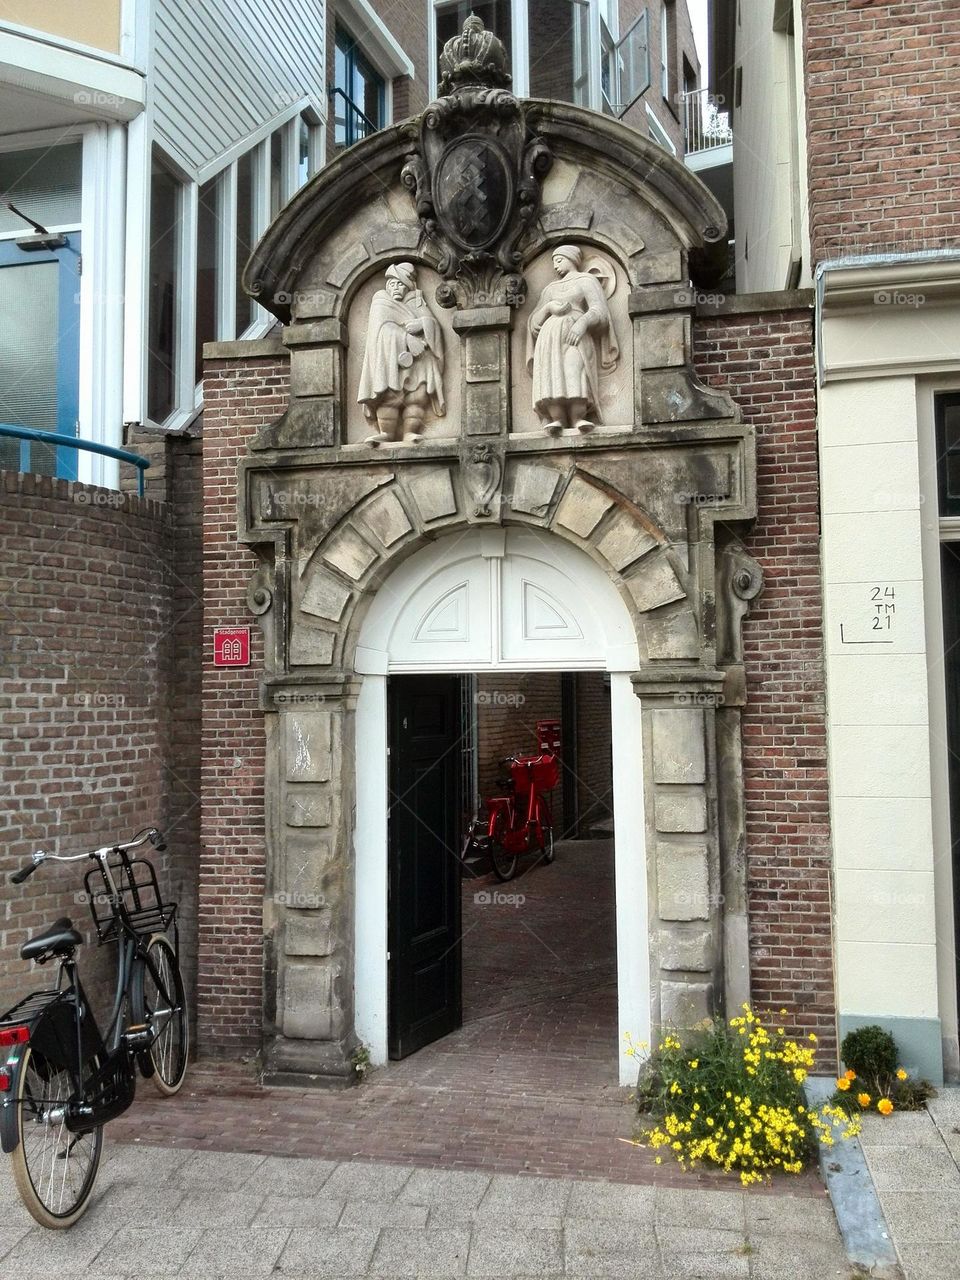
<point x="884" y="1105"/>
<point x="737" y="1102"/>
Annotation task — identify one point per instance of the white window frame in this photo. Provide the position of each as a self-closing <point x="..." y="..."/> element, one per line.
<point x="664" y="52"/>
<point x="660" y="135"/>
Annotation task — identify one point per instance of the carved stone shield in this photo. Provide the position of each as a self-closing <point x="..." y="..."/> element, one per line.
<point x="474" y="187"/>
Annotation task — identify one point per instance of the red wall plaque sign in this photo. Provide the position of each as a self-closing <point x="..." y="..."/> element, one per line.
<point x="231" y="646"/>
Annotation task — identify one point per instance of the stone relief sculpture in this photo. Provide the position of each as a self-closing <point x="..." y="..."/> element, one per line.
<point x="571" y="340"/>
<point x="402" y="374"/>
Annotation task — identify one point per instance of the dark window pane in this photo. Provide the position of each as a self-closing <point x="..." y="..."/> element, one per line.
<point x="359" y="94"/>
<point x="164" y="270"/>
<point x="559" y="43"/>
<point x="948" y="453"/>
<point x="246" y="237"/>
<point x="208" y="267"/>
<point x="276" y="173"/>
<point x="303" y="146"/>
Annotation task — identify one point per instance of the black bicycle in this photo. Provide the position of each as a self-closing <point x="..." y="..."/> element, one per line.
<point x="61" y="1080"/>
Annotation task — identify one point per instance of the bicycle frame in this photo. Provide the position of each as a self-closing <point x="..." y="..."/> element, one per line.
<point x="519" y="834"/>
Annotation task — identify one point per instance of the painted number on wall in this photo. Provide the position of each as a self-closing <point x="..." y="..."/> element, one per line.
<point x="876" y="619"/>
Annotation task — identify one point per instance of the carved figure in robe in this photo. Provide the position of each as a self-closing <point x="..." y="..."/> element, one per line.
<point x="571" y="340"/>
<point x="402" y="373"/>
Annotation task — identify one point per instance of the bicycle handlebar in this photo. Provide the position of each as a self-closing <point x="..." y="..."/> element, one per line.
<point x="152" y="834"/>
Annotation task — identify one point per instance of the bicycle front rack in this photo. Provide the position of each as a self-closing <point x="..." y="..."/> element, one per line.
<point x="139" y="898"/>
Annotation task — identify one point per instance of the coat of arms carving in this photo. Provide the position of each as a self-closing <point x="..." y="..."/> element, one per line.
<point x="477" y="173"/>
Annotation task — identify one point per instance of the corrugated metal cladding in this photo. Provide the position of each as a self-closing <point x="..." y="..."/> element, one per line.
<point x="223" y="68"/>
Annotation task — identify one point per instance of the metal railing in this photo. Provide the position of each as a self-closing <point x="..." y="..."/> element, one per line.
<point x="705" y="126"/>
<point x="353" y="125"/>
<point x="30" y="435"/>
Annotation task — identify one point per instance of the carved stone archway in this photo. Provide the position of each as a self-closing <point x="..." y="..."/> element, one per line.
<point x="652" y="491"/>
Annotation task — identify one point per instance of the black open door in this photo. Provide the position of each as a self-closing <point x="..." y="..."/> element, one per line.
<point x="425" y="817"/>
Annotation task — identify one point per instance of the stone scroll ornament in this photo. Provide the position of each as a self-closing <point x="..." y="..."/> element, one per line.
<point x="476" y="174"/>
<point x="402" y="374"/>
<point x="571" y="341"/>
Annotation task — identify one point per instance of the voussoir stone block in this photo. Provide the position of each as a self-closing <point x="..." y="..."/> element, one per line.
<point x="582" y="507"/>
<point x="308" y="746"/>
<point x="310" y="646"/>
<point x="349" y="553"/>
<point x="655" y="583"/>
<point x="682" y="951"/>
<point x="683" y="881"/>
<point x="532" y="488"/>
<point x="671" y="633"/>
<point x="309" y="1011"/>
<point x="624" y="541"/>
<point x="433" y="493"/>
<point x="681" y="809"/>
<point x="386" y="519"/>
<point x="679" y="752"/>
<point x="685" y="1004"/>
<point x="324" y="596"/>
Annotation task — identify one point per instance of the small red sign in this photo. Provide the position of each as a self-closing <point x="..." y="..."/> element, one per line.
<point x="549" y="736"/>
<point x="231" y="646"/>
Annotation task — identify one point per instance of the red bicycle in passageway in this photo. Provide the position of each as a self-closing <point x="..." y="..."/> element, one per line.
<point x="519" y="821"/>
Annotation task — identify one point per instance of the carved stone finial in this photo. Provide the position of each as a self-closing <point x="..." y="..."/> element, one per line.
<point x="474" y="57"/>
<point x="476" y="174"/>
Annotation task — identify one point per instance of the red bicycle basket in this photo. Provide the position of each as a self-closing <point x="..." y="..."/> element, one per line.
<point x="544" y="770"/>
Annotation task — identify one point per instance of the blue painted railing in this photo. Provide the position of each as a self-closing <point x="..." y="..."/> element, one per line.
<point x="29" y="435"/>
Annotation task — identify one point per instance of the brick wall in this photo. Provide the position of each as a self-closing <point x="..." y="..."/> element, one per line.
<point x="883" y="121"/>
<point x="238" y="398"/>
<point x="594" y="749"/>
<point x="509" y="704"/>
<point x="766" y="361"/>
<point x="86" y="658"/>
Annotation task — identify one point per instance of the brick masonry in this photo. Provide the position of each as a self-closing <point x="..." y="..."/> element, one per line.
<point x="883" y="122"/>
<point x="766" y="361"/>
<point x="88" y="744"/>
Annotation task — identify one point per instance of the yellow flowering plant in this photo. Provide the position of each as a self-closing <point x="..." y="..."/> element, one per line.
<point x="732" y="1095"/>
<point x="870" y="1056"/>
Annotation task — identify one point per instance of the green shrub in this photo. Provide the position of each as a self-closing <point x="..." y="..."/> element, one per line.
<point x="732" y="1095"/>
<point x="871" y="1052"/>
<point x="873" y="1079"/>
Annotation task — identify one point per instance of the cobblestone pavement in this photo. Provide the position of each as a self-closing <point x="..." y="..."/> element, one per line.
<point x="913" y="1159"/>
<point x="161" y="1212"/>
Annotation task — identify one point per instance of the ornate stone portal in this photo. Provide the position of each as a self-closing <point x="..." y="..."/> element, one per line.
<point x="570" y="407"/>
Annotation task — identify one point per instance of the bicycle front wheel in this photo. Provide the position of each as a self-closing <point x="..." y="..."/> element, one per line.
<point x="504" y="862"/>
<point x="54" y="1169"/>
<point x="160" y="1003"/>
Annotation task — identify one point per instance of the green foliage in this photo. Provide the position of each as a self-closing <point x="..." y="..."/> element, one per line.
<point x="360" y="1060"/>
<point x="873" y="1080"/>
<point x="732" y="1095"/>
<point x="871" y="1052"/>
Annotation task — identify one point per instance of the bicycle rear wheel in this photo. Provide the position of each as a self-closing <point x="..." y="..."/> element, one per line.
<point x="160" y="1001"/>
<point x="504" y="862"/>
<point x="546" y="827"/>
<point x="54" y="1169"/>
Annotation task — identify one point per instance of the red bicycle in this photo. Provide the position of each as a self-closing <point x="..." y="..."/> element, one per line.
<point x="519" y="821"/>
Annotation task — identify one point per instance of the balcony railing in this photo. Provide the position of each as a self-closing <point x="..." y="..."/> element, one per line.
<point x="705" y="126"/>
<point x="27" y="436"/>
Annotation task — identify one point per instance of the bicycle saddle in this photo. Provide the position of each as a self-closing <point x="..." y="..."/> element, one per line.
<point x="59" y="940"/>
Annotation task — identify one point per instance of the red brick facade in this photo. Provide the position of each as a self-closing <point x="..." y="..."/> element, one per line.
<point x="766" y="360"/>
<point x="883" y="122"/>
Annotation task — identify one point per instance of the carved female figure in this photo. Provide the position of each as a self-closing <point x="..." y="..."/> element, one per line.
<point x="402" y="374"/>
<point x="570" y="339"/>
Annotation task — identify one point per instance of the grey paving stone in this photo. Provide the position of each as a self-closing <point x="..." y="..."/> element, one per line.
<point x="328" y="1251"/>
<point x="225" y="1170"/>
<point x="10" y="1236"/>
<point x="503" y="1251"/>
<point x="607" y="1248"/>
<point x="721" y="1209"/>
<point x="297" y="1177"/>
<point x="135" y="1249"/>
<point x="239" y="1252"/>
<point x="128" y="1199"/>
<point x="141" y="1163"/>
<point x="611" y="1200"/>
<point x="300" y="1212"/>
<point x="929" y="1261"/>
<point x="442" y="1253"/>
<point x="515" y="1195"/>
<point x="707" y="1252"/>
<point x="370" y="1213"/>
<point x="446" y="1188"/>
<point x="360" y="1181"/>
<point x="912" y="1169"/>
<point x="789" y="1257"/>
<point x="773" y="1215"/>
<point x="902" y="1129"/>
<point x="922" y="1217"/>
<point x="42" y="1253"/>
<point x="203" y="1208"/>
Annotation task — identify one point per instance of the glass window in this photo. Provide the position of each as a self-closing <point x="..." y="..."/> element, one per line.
<point x="246" y="236"/>
<point x="277" y="192"/>
<point x="359" y="93"/>
<point x="44" y="184"/>
<point x="948" y="453"/>
<point x="165" y="212"/>
<point x="208" y="266"/>
<point x="625" y="73"/>
<point x="559" y="49"/>
<point x="664" y="52"/>
<point x="304" y="170"/>
<point x="495" y="15"/>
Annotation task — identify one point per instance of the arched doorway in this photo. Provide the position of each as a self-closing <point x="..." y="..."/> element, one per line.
<point x="485" y="600"/>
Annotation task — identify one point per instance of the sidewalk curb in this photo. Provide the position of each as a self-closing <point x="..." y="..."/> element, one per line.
<point x="843" y="1167"/>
